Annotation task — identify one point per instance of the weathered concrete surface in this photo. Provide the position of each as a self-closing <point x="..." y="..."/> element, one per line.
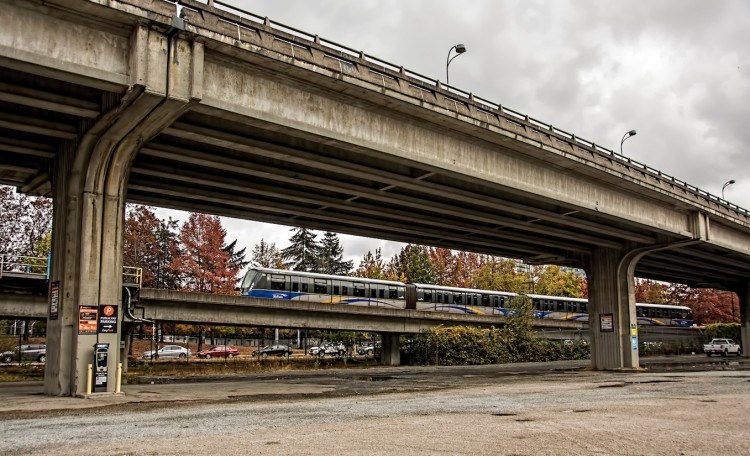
<point x="555" y="408"/>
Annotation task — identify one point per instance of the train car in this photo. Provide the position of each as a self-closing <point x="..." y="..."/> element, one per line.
<point x="559" y="307"/>
<point x="332" y="289"/>
<point x="461" y="300"/>
<point x="664" y="315"/>
<point x="324" y="288"/>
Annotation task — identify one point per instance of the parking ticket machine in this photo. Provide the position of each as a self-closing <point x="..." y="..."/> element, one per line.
<point x="100" y="367"/>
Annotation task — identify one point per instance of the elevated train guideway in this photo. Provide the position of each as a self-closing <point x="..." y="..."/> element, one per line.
<point x="187" y="106"/>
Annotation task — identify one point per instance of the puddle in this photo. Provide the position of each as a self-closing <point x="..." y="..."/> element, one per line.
<point x="373" y="378"/>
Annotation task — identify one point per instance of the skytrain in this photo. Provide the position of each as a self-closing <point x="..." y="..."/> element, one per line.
<point x="358" y="291"/>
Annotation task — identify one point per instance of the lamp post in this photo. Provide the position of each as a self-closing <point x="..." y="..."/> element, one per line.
<point x="626" y="136"/>
<point x="460" y="49"/>
<point x="727" y="184"/>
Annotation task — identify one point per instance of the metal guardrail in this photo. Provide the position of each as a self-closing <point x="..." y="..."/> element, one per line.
<point x="132" y="276"/>
<point x="23" y="265"/>
<point x="38" y="267"/>
<point x="349" y="58"/>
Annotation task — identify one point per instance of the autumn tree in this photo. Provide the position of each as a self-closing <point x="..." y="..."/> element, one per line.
<point x="331" y="260"/>
<point x="650" y="291"/>
<point x="500" y="274"/>
<point x="151" y="244"/>
<point x="267" y="255"/>
<point x="203" y="260"/>
<point x="708" y="305"/>
<point x="556" y="281"/>
<point x="443" y="266"/>
<point x="25" y="222"/>
<point x="371" y="266"/>
<point x="302" y="254"/>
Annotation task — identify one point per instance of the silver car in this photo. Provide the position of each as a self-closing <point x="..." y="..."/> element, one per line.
<point x="32" y="352"/>
<point x="167" y="351"/>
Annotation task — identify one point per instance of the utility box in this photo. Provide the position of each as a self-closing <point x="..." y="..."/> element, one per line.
<point x="101" y="355"/>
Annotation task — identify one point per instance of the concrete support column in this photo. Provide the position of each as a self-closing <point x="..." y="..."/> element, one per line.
<point x="743" y="293"/>
<point x="390" y="353"/>
<point x="89" y="186"/>
<point x="612" y="317"/>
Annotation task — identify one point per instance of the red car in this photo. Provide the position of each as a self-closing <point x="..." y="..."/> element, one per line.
<point x="219" y="351"/>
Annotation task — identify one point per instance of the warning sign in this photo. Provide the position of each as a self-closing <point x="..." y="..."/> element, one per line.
<point x="87" y="319"/>
<point x="107" y="319"/>
<point x="606" y="322"/>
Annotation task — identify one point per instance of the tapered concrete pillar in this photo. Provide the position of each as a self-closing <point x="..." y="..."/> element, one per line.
<point x="390" y="353"/>
<point x="744" y="294"/>
<point x="612" y="317"/>
<point x="89" y="188"/>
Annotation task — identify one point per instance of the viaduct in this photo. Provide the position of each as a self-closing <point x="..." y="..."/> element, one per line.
<point x="187" y="106"/>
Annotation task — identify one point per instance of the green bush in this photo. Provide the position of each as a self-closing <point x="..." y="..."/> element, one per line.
<point x="724" y="331"/>
<point x="460" y="345"/>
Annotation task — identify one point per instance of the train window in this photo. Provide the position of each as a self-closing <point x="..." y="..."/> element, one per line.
<point x="346" y="288"/>
<point x="393" y="293"/>
<point x="359" y="289"/>
<point x="486" y="300"/>
<point x="277" y="282"/>
<point x="336" y="290"/>
<point x="401" y="293"/>
<point x="447" y="297"/>
<point x="304" y="286"/>
<point x="476" y="299"/>
<point x="458" y="298"/>
<point x="427" y="296"/>
<point x="320" y="286"/>
<point x="373" y="292"/>
<point x="584" y="307"/>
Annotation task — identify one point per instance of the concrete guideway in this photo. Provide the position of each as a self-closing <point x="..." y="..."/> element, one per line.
<point x="228" y="115"/>
<point x="530" y="408"/>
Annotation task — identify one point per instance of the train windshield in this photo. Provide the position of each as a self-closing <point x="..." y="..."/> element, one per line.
<point x="250" y="279"/>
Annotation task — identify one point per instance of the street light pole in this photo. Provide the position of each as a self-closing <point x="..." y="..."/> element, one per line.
<point x="626" y="136"/>
<point x="727" y="184"/>
<point x="460" y="49"/>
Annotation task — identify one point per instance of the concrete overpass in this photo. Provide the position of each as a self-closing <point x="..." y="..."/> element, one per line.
<point x="104" y="102"/>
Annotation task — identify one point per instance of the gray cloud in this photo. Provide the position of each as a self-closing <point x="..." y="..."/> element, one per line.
<point x="678" y="71"/>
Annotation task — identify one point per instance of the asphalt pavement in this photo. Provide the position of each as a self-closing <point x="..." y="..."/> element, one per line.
<point x="27" y="398"/>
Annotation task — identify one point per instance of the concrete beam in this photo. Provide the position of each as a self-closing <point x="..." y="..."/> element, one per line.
<point x="204" y="308"/>
<point x="23" y="306"/>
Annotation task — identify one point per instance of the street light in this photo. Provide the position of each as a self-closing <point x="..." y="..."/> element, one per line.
<point x="626" y="136"/>
<point x="725" y="186"/>
<point x="460" y="49"/>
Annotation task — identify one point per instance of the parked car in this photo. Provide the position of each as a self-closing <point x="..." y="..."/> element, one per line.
<point x="219" y="351"/>
<point x="334" y="349"/>
<point x="32" y="352"/>
<point x="167" y="351"/>
<point x="273" y="350"/>
<point x="722" y="347"/>
<point x="368" y="348"/>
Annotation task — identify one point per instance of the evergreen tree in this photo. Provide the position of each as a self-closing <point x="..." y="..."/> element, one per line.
<point x="302" y="254"/>
<point x="267" y="255"/>
<point x="331" y="259"/>
<point x="413" y="263"/>
<point x="236" y="261"/>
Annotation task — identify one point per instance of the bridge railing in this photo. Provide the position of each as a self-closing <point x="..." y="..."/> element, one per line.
<point x="38" y="267"/>
<point x="22" y="265"/>
<point x="242" y="20"/>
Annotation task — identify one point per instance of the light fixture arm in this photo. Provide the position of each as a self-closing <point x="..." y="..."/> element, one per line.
<point x="460" y="49"/>
<point x="626" y="136"/>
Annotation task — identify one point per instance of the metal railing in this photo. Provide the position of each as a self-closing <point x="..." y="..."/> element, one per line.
<point x="38" y="267"/>
<point x="249" y="23"/>
<point x="21" y="265"/>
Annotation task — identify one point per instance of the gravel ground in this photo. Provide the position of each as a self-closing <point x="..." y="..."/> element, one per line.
<point x="448" y="411"/>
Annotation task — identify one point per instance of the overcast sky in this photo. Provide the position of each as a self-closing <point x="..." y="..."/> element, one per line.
<point x="677" y="71"/>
